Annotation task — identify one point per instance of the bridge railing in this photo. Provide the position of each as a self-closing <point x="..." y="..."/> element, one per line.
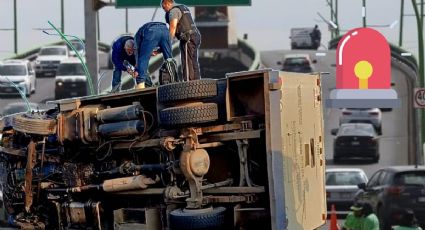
<point x="31" y="54"/>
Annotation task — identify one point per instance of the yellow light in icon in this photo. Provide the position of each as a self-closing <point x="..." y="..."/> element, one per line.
<point x="363" y="71"/>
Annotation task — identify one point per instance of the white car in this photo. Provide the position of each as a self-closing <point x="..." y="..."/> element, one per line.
<point x="79" y="47"/>
<point x="70" y="80"/>
<point x="300" y="63"/>
<point x="341" y="187"/>
<point x="355" y="115"/>
<point x="21" y="73"/>
<point x="49" y="58"/>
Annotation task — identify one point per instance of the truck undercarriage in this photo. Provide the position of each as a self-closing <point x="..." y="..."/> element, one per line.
<point x="188" y="155"/>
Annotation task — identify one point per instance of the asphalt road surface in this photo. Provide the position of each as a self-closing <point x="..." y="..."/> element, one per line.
<point x="393" y="142"/>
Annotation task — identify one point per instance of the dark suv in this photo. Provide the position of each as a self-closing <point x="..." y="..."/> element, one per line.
<point x="392" y="189"/>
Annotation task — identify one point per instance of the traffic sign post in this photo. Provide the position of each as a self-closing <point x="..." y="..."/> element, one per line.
<point x="419" y="98"/>
<point x="157" y="3"/>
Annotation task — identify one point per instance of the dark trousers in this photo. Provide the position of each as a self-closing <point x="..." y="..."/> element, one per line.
<point x="191" y="68"/>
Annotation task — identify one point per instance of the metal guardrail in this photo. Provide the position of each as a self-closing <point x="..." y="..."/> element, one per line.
<point x="32" y="53"/>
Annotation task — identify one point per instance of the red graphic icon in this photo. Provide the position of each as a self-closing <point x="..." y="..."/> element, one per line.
<point x="363" y="55"/>
<point x="363" y="74"/>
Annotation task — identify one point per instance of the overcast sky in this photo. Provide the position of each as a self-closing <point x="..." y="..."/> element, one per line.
<point x="267" y="22"/>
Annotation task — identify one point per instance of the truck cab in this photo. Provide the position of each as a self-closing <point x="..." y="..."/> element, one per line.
<point x="301" y="39"/>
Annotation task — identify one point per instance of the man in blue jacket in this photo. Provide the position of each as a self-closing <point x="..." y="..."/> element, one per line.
<point x="122" y="49"/>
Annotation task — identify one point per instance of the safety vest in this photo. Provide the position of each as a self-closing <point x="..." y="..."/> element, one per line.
<point x="185" y="24"/>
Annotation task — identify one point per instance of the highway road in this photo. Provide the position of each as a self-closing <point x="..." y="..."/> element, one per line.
<point x="45" y="87"/>
<point x="393" y="142"/>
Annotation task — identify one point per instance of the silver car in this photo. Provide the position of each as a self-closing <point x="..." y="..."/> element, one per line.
<point x="358" y="115"/>
<point x="21" y="73"/>
<point x="341" y="187"/>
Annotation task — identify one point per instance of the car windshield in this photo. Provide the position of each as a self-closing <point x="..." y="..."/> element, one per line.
<point x="344" y="178"/>
<point x="17" y="108"/>
<point x="410" y="178"/>
<point x="68" y="69"/>
<point x="13" y="70"/>
<point x="359" y="130"/>
<point x="295" y="62"/>
<point x="53" y="51"/>
<point x="359" y="109"/>
<point x="77" y="45"/>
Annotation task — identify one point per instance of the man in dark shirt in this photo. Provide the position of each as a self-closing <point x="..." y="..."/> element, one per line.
<point x="183" y="28"/>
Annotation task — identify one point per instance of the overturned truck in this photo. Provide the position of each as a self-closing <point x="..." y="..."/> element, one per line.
<point x="243" y="152"/>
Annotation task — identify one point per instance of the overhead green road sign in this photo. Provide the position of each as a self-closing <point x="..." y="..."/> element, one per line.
<point x="156" y="3"/>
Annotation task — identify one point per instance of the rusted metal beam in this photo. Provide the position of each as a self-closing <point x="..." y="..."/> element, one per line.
<point x="230" y="136"/>
<point x="138" y="144"/>
<point x="220" y="190"/>
<point x="31" y="160"/>
<point x="15" y="152"/>
<point x="230" y="190"/>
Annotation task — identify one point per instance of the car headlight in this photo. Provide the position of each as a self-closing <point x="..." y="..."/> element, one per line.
<point x="37" y="62"/>
<point x="59" y="83"/>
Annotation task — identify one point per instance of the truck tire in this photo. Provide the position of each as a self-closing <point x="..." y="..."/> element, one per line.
<point x="189" y="90"/>
<point x="194" y="113"/>
<point x="181" y="219"/>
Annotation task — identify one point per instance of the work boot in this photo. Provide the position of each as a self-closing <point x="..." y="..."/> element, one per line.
<point x="140" y="85"/>
<point x="116" y="89"/>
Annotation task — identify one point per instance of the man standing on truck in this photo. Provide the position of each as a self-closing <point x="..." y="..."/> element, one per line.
<point x="150" y="36"/>
<point x="183" y="27"/>
<point x="122" y="49"/>
<point x="316" y="37"/>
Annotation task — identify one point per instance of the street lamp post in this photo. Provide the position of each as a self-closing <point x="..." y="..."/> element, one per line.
<point x="15" y="26"/>
<point x="126" y="20"/>
<point x="62" y="18"/>
<point x="400" y="37"/>
<point x="364" y="12"/>
<point x="419" y="23"/>
<point x="334" y="17"/>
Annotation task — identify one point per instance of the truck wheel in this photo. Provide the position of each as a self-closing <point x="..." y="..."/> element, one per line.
<point x="193" y="113"/>
<point x="198" y="219"/>
<point x="189" y="90"/>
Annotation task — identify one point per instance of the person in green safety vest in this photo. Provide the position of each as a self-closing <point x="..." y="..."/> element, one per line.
<point x="370" y="221"/>
<point x="354" y="219"/>
<point x="408" y="221"/>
